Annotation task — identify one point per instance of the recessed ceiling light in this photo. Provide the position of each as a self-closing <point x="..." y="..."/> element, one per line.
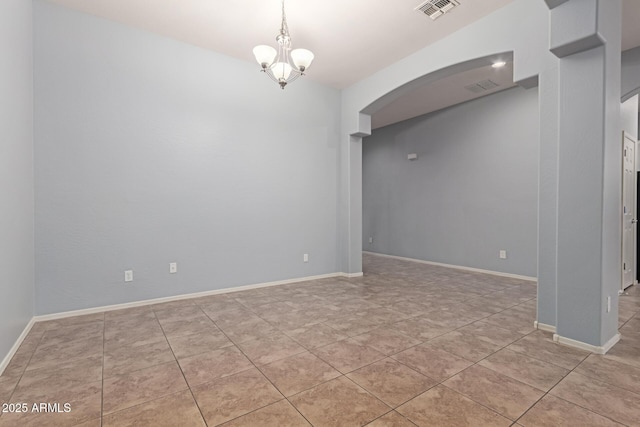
<point x="499" y="64"/>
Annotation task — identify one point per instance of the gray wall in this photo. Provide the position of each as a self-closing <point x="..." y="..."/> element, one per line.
<point x="16" y="170"/>
<point x="629" y="113"/>
<point x="148" y="151"/>
<point x="630" y="73"/>
<point x="472" y="191"/>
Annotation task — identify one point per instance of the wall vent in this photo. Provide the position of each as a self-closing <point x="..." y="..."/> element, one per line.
<point x="482" y="86"/>
<point x="436" y="8"/>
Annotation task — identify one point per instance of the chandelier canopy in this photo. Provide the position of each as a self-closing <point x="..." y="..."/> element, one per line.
<point x="283" y="65"/>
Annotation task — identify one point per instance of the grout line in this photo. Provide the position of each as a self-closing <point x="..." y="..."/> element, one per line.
<point x="180" y="367"/>
<point x="554" y="386"/>
<point x="237" y="345"/>
<point x="15" y="387"/>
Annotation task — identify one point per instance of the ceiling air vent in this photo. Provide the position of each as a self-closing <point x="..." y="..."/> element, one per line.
<point x="436" y="8"/>
<point x="482" y="86"/>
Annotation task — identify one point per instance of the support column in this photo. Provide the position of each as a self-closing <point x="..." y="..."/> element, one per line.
<point x="585" y="35"/>
<point x="350" y="203"/>
<point x="548" y="201"/>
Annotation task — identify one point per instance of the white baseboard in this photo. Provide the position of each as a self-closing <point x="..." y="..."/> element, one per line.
<point x="457" y="267"/>
<point x="602" y="349"/>
<point x="351" y="275"/>
<point x="544" y="327"/>
<point x="113" y="307"/>
<point x="16" y="346"/>
<point x="55" y="316"/>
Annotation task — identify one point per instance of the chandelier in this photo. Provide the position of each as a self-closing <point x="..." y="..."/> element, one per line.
<point x="283" y="65"/>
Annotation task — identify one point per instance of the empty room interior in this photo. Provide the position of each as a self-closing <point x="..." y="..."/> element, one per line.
<point x="319" y="213"/>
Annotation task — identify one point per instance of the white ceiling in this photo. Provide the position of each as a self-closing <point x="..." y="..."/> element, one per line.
<point x="443" y="93"/>
<point x="351" y="39"/>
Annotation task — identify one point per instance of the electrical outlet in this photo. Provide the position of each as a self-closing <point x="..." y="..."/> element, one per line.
<point x="128" y="276"/>
<point x="173" y="267"/>
<point x="370" y="239"/>
<point x="503" y="254"/>
<point x="305" y="257"/>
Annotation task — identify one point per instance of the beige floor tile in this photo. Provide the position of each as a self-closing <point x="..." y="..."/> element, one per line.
<point x="432" y="362"/>
<point x="190" y="345"/>
<point x="181" y="327"/>
<point x="391" y="419"/>
<point x="28" y="347"/>
<point x="91" y="423"/>
<point x="533" y="372"/>
<point x="225" y="310"/>
<point x="294" y="320"/>
<point x="514" y="320"/>
<point x="466" y="345"/>
<point x="141" y="386"/>
<point x="612" y="402"/>
<point x="68" y="334"/>
<point x="553" y="412"/>
<point x="540" y="345"/>
<point x="6" y="390"/>
<point x="626" y="353"/>
<point x="122" y="318"/>
<point x="503" y="298"/>
<point x="175" y="410"/>
<point x="391" y="381"/>
<point x="492" y="334"/>
<point x="386" y="341"/>
<point x="409" y="308"/>
<point x="630" y="333"/>
<point x="489" y="304"/>
<point x="420" y="328"/>
<point x="385" y="315"/>
<point x="248" y="330"/>
<point x="504" y="395"/>
<point x="126" y="314"/>
<point x="354" y="324"/>
<point x="448" y="319"/>
<point x="347" y="355"/>
<point x="75" y="320"/>
<point x="298" y="373"/>
<point x="213" y="365"/>
<point x="133" y="335"/>
<point x="338" y="403"/>
<point x="84" y="404"/>
<point x="231" y="397"/>
<point x="16" y="367"/>
<point x="55" y="354"/>
<point x="65" y="375"/>
<point x="611" y="372"/>
<point x="476" y="312"/>
<point x="442" y="407"/>
<point x="175" y="306"/>
<point x="279" y="414"/>
<point x="269" y="349"/>
<point x="316" y="336"/>
<point x="128" y="359"/>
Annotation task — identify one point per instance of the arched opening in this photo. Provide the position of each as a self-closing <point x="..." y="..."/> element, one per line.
<point x="470" y="198"/>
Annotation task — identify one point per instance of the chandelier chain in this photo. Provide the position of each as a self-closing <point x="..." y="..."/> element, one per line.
<point x="284" y="28"/>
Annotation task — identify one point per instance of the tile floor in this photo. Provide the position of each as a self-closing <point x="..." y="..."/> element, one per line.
<point x="408" y="344"/>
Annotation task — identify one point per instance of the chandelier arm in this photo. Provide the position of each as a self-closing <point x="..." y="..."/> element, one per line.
<point x="294" y="76"/>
